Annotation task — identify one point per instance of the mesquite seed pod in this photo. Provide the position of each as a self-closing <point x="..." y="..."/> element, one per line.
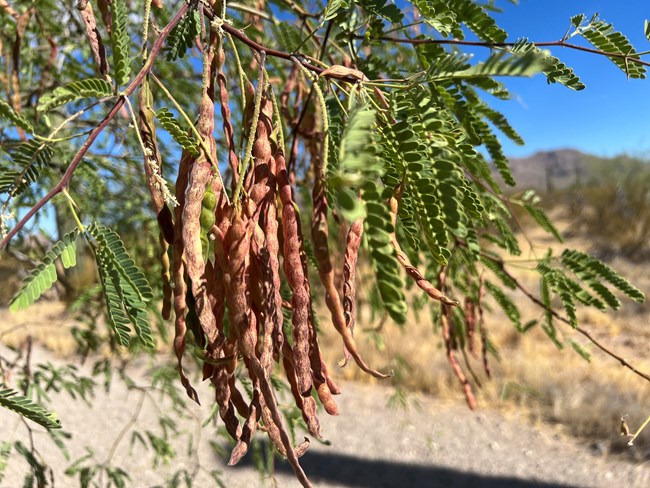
<point x="200" y="175"/>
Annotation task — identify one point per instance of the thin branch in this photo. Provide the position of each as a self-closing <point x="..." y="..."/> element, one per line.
<point x="561" y="43"/>
<point x="559" y="317"/>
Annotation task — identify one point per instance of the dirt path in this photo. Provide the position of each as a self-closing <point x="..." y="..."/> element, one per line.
<point x="431" y="445"/>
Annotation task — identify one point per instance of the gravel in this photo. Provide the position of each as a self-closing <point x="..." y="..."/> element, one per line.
<point x="430" y="444"/>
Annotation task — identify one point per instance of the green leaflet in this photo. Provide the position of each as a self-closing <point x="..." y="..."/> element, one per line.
<point x="8" y="113"/>
<point x="378" y="228"/>
<point x="92" y="87"/>
<point x="505" y="302"/>
<point x="120" y="43"/>
<point x="589" y="268"/>
<point x="476" y="18"/>
<point x="542" y="219"/>
<point x="356" y="161"/>
<point x="36" y="476"/>
<point x="182" y="37"/>
<point x="176" y="130"/>
<point x="502" y="63"/>
<point x="5" y="451"/>
<point x="30" y="159"/>
<point x="556" y="71"/>
<point x="497" y="269"/>
<point x="603" y="37"/>
<point x="125" y="287"/>
<point x="44" y="275"/>
<point x="289" y="35"/>
<point x="12" y="400"/>
<point x="579" y="349"/>
<point x="437" y="14"/>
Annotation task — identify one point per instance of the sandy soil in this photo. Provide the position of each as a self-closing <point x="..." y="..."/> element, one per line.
<point x="432" y="444"/>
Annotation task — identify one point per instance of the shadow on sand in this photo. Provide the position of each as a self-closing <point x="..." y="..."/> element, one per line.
<point x="355" y="472"/>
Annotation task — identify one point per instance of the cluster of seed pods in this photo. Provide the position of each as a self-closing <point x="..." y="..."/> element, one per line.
<point x="232" y="250"/>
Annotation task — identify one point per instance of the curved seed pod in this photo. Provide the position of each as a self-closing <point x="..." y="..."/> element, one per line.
<point x="237" y="398"/>
<point x="352" y="244"/>
<point x="250" y="426"/>
<point x="238" y="293"/>
<point x="295" y="276"/>
<point x="180" y="289"/>
<point x="94" y="38"/>
<point x="228" y="131"/>
<point x="166" y="277"/>
<point x="453" y="361"/>
<point x="319" y="232"/>
<point x="411" y="270"/>
<point x="222" y="393"/>
<point x="307" y="405"/>
<point x="484" y="338"/>
<point x="157" y="186"/>
<point x="273" y="246"/>
<point x="262" y="153"/>
<point x="153" y="164"/>
<point x="470" y="324"/>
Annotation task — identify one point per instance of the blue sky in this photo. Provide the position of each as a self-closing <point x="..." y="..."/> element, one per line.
<point x="607" y="118"/>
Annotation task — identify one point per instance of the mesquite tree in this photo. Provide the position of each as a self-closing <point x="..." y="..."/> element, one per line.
<point x="253" y="153"/>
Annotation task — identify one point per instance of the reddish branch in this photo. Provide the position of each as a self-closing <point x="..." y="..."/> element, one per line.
<point x="457" y="42"/>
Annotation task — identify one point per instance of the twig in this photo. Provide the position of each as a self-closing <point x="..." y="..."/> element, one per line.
<point x="579" y="329"/>
<point x="561" y="43"/>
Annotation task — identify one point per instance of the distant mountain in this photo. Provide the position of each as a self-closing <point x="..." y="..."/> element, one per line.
<point x="547" y="171"/>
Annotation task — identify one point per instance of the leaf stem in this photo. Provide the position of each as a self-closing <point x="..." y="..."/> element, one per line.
<point x="73" y="205"/>
<point x="248" y="155"/>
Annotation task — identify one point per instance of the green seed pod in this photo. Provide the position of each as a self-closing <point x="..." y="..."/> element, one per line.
<point x="207" y="219"/>
<point x="209" y="200"/>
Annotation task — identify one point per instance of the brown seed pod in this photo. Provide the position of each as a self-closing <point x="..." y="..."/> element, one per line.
<point x="270" y="226"/>
<point x="403" y="259"/>
<point x="293" y="270"/>
<point x="470" y="324"/>
<point x="228" y="131"/>
<point x="484" y="334"/>
<point x="445" y="318"/>
<point x="166" y="277"/>
<point x="352" y="244"/>
<point x="320" y="238"/>
<point x="308" y="411"/>
<point x="94" y="37"/>
<point x="222" y="392"/>
<point x="180" y="289"/>
<point x="199" y="177"/>
<point x="236" y="397"/>
<point x="238" y="293"/>
<point x="250" y="426"/>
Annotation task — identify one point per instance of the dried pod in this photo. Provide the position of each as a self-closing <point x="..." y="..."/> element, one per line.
<point x="320" y="238"/>
<point x="199" y="177"/>
<point x="180" y="288"/>
<point x="352" y="244"/>
<point x="293" y="270"/>
<point x="451" y="357"/>
<point x="411" y="270"/>
<point x="94" y="37"/>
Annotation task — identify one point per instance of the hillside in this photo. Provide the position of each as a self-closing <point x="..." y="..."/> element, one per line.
<point x="548" y="171"/>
